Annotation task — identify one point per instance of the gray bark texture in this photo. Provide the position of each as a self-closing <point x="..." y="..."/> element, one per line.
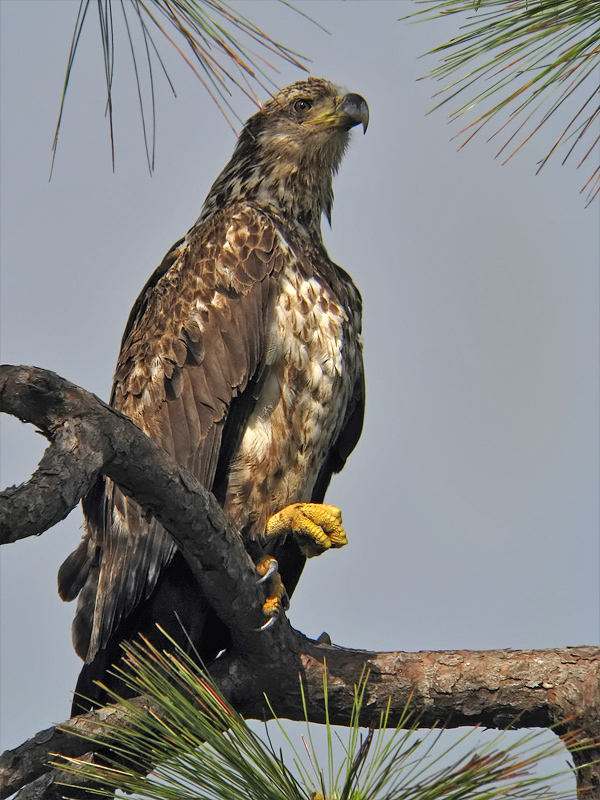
<point x="495" y="688"/>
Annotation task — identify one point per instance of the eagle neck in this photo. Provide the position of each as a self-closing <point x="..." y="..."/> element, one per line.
<point x="296" y="190"/>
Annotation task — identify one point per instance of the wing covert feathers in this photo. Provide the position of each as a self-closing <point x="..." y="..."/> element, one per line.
<point x="198" y="333"/>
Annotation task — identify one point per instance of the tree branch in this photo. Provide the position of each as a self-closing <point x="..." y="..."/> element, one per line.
<point x="28" y="762"/>
<point x="91" y="437"/>
<point x="497" y="688"/>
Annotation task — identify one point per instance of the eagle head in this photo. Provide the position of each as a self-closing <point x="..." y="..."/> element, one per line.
<point x="288" y="152"/>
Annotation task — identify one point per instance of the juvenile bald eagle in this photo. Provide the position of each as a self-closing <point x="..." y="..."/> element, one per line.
<point x="242" y="358"/>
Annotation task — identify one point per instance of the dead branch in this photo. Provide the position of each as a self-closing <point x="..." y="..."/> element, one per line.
<point x="498" y="688"/>
<point x="87" y="437"/>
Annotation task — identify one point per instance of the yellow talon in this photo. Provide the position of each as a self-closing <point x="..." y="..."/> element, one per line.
<point x="317" y="527"/>
<point x="275" y="604"/>
<point x="266" y="567"/>
<point x="272" y="607"/>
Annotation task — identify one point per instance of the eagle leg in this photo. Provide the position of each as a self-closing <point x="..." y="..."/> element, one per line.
<point x="277" y="601"/>
<point x="316" y="526"/>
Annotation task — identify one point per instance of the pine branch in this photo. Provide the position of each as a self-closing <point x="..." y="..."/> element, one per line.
<point x="493" y="688"/>
<point x="87" y="437"/>
<point x="511" y="59"/>
<point x="216" y="42"/>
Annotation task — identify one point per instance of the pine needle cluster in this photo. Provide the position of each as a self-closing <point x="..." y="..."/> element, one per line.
<point x="224" y="50"/>
<point x="529" y="62"/>
<point x="200" y="748"/>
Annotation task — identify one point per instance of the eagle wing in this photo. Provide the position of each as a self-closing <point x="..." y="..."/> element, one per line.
<point x="194" y="352"/>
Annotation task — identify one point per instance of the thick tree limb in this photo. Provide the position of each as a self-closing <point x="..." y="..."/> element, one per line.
<point x="90" y="437"/>
<point x="28" y="762"/>
<point x="494" y="688"/>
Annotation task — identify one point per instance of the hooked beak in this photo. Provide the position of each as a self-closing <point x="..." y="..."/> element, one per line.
<point x="352" y="110"/>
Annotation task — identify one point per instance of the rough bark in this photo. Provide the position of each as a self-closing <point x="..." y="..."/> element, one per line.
<point x="86" y="437"/>
<point x="28" y="763"/>
<point x="497" y="688"/>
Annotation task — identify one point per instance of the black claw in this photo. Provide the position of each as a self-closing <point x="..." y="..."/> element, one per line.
<point x="269" y="623"/>
<point x="273" y="567"/>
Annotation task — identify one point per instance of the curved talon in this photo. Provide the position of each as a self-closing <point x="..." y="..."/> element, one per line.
<point x="270" y="566"/>
<point x="269" y="623"/>
<point x="277" y="600"/>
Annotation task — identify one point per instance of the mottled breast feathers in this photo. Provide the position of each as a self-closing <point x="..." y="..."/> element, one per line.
<point x="194" y="359"/>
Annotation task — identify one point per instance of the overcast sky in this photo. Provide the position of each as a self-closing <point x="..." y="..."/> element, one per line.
<point x="471" y="502"/>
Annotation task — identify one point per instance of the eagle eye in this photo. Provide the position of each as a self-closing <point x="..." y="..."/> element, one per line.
<point x="302" y="105"/>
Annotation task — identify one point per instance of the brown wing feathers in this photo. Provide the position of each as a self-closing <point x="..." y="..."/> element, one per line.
<point x="197" y="335"/>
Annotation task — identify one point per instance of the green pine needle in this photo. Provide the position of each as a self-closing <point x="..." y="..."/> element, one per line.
<point x="529" y="61"/>
<point x="223" y="48"/>
<point x="200" y="748"/>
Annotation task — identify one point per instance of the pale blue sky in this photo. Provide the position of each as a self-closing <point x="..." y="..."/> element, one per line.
<point x="471" y="502"/>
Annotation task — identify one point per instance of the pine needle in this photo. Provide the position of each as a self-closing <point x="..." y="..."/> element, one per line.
<point x="199" y="747"/>
<point x="224" y="49"/>
<point x="510" y="57"/>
